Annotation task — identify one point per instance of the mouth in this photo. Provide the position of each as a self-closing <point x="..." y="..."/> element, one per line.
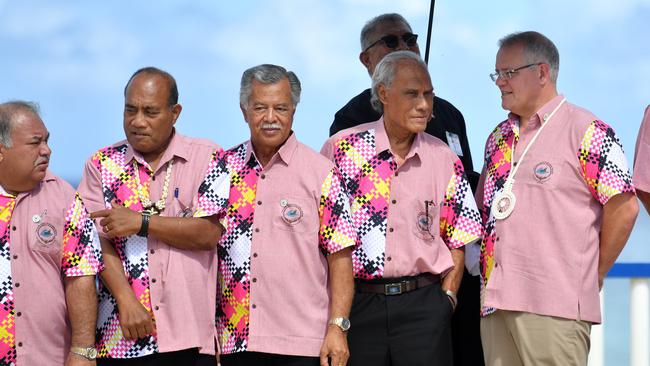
<point x="42" y="163"/>
<point x="270" y="127"/>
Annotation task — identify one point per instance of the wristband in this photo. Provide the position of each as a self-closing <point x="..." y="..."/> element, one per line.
<point x="452" y="297"/>
<point x="144" y="228"/>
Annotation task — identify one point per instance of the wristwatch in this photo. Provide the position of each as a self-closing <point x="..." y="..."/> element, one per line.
<point x="87" y="352"/>
<point x="452" y="297"/>
<point x="341" y="322"/>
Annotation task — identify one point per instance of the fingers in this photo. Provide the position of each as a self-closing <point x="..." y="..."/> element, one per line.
<point x="100" y="213"/>
<point x="126" y="332"/>
<point x="323" y="359"/>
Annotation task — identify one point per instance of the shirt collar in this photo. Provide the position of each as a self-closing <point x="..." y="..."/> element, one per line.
<point x="285" y="153"/>
<point x="175" y="148"/>
<point x="540" y="117"/>
<point x="382" y="143"/>
<point x="4" y="193"/>
<point x="48" y="178"/>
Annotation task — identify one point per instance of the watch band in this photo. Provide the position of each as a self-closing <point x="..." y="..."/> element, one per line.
<point x="341" y="322"/>
<point x="452" y="297"/>
<point x="144" y="227"/>
<point x="89" y="353"/>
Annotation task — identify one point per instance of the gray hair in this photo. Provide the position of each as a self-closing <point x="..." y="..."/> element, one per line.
<point x="371" y="27"/>
<point x="268" y="74"/>
<point x="537" y="48"/>
<point x="8" y="112"/>
<point x="385" y="73"/>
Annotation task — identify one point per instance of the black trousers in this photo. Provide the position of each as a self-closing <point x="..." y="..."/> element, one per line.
<point x="466" y="324"/>
<point x="187" y="357"/>
<point x="411" y="329"/>
<point x="266" y="359"/>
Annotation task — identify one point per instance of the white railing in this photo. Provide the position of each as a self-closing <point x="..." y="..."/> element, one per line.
<point x="639" y="275"/>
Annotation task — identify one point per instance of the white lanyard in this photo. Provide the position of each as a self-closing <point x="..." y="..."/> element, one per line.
<point x="505" y="200"/>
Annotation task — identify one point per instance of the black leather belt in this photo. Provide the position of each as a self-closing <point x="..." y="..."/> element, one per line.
<point x="396" y="286"/>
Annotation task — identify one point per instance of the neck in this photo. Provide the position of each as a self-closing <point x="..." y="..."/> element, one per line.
<point x="153" y="158"/>
<point x="544" y="98"/>
<point x="400" y="140"/>
<point x="264" y="155"/>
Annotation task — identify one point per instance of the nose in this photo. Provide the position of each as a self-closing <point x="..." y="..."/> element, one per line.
<point x="45" y="149"/>
<point x="138" y="120"/>
<point x="500" y="81"/>
<point x="270" y="115"/>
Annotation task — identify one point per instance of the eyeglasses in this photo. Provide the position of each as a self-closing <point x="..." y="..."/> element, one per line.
<point x="508" y="74"/>
<point x="392" y="41"/>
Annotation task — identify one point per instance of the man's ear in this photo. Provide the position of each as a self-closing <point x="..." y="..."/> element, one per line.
<point x="381" y="93"/>
<point x="243" y="112"/>
<point x="365" y="59"/>
<point x="544" y="73"/>
<point x="176" y="111"/>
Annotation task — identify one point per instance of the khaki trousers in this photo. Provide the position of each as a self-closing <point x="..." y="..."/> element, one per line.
<point x="512" y="338"/>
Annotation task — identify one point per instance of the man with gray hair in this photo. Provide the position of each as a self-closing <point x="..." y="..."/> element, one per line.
<point x="287" y="239"/>
<point x="380" y="36"/>
<point x="558" y="206"/>
<point x="414" y="214"/>
<point x="50" y="252"/>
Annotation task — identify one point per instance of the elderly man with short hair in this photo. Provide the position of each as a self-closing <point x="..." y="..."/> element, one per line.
<point x="285" y="270"/>
<point x="50" y="252"/>
<point x="558" y="206"/>
<point x="157" y="296"/>
<point x="380" y="36"/>
<point x="414" y="213"/>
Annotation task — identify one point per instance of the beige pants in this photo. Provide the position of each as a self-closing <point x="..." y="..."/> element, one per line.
<point x="512" y="338"/>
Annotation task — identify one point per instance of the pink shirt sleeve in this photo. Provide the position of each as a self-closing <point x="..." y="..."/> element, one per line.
<point x="336" y="229"/>
<point x="604" y="167"/>
<point x="82" y="255"/>
<point x="215" y="188"/>
<point x="460" y="221"/>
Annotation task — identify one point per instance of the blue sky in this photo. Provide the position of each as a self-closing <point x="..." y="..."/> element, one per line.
<point x="74" y="58"/>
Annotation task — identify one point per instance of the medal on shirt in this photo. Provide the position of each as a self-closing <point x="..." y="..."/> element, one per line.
<point x="504" y="201"/>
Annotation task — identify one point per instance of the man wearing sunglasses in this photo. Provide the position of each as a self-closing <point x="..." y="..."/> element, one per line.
<point x="382" y="35"/>
<point x="558" y="206"/>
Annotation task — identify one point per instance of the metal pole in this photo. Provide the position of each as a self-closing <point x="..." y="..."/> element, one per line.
<point x="426" y="52"/>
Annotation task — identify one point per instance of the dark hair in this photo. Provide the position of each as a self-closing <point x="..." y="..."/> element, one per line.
<point x="537" y="48"/>
<point x="171" y="82"/>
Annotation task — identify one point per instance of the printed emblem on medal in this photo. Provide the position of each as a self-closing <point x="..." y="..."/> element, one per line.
<point x="504" y="204"/>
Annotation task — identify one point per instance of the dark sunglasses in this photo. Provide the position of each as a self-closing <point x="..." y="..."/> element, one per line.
<point x="392" y="41"/>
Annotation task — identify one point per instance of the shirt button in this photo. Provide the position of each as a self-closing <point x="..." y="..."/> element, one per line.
<point x="396" y="174"/>
<point x="156" y="307"/>
<point x="496" y="265"/>
<point x="263" y="176"/>
<point x="254" y="255"/>
<point x="389" y="259"/>
<point x="257" y="230"/>
<point x="497" y="238"/>
<point x="153" y="280"/>
<point x="153" y="178"/>
<point x="394" y="201"/>
<point x="13" y="228"/>
<point x="15" y="256"/>
<point x="259" y="203"/>
<point x="17" y="284"/>
<point x="20" y="344"/>
<point x="152" y="251"/>
<point x="254" y="306"/>
<point x="254" y="279"/>
<point x="391" y="230"/>
<point x="19" y="314"/>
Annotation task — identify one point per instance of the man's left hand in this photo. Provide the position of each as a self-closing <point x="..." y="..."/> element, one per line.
<point x="118" y="221"/>
<point x="335" y="347"/>
<point x="76" y="360"/>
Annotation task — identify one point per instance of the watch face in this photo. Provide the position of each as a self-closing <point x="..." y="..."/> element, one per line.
<point x="345" y="323"/>
<point x="92" y="353"/>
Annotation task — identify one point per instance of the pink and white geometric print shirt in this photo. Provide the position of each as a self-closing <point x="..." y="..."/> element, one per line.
<point x="543" y="258"/>
<point x="407" y="217"/>
<point x="176" y="286"/>
<point x="281" y="222"/>
<point x="46" y="234"/>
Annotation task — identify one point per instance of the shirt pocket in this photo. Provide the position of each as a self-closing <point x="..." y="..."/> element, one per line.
<point x="424" y="220"/>
<point x="296" y="214"/>
<point x="46" y="232"/>
<point x="545" y="173"/>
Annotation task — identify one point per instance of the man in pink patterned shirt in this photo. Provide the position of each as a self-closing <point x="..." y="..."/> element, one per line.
<point x="414" y="213"/>
<point x="558" y="206"/>
<point x="287" y="239"/>
<point x="157" y="299"/>
<point x="49" y="252"/>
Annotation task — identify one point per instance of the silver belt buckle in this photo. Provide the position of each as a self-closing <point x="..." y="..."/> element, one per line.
<point x="393" y="289"/>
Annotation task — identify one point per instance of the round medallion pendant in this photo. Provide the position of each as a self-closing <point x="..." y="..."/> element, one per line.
<point x="504" y="204"/>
